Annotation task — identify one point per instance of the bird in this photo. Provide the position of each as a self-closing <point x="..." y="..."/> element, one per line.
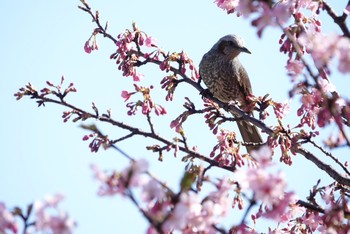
<point x="227" y="80"/>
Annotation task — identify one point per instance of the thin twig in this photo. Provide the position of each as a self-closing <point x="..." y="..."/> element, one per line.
<point x="330" y="155"/>
<point x="150" y="123"/>
<point x="325" y="167"/>
<point x="151" y="220"/>
<point x="122" y="138"/>
<point x="251" y="205"/>
<point x="339" y="20"/>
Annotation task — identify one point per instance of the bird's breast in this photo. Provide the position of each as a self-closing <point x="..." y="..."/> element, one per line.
<point x="220" y="76"/>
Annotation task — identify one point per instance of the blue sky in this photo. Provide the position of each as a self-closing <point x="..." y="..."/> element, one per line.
<point x="42" y="155"/>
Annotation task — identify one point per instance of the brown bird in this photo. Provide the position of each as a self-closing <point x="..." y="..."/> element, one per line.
<point x="228" y="81"/>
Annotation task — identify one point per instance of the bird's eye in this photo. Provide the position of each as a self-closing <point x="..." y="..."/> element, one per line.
<point x="230" y="43"/>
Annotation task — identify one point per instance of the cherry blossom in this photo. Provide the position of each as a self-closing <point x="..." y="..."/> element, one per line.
<point x="126" y="95"/>
<point x="294" y="68"/>
<point x="228" y="152"/>
<point x="344" y="54"/>
<point x="192" y="215"/>
<point x="281" y="109"/>
<point x="263" y="156"/>
<point x="118" y="182"/>
<point x="322" y="47"/>
<point x="228" y="5"/>
<point x="147" y="105"/>
<point x="88" y="48"/>
<point x="277" y="15"/>
<point x="57" y="223"/>
<point x="7" y="220"/>
<point x="185" y="211"/>
<point x="325" y="47"/>
<point x="150" y="41"/>
<point x="267" y="187"/>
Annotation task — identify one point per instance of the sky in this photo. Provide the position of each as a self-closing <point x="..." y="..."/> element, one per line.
<point x="42" y="155"/>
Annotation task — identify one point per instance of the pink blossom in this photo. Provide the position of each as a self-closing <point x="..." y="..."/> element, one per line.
<point x="340" y="103"/>
<point x="326" y="85"/>
<point x="176" y="123"/>
<point x="306" y="4"/>
<point x="50" y="218"/>
<point x="245" y="8"/>
<point x="322" y="47"/>
<point x="192" y="215"/>
<point x="115" y="183"/>
<point x="228" y="151"/>
<point x="280" y="210"/>
<point x="159" y="110"/>
<point x="324" y="117"/>
<point x="228" y="5"/>
<point x="137" y="170"/>
<point x="150" y="41"/>
<point x="220" y="198"/>
<point x="281" y="109"/>
<point x="312" y="220"/>
<point x="146" y="108"/>
<point x="294" y="68"/>
<point x="277" y="15"/>
<point x="99" y="175"/>
<point x="7" y="220"/>
<point x="137" y="76"/>
<point x="110" y="184"/>
<point x="344" y="55"/>
<point x="267" y="187"/>
<point x="87" y="47"/>
<point x="126" y="95"/>
<point x="312" y="101"/>
<point x="187" y="209"/>
<point x="151" y="190"/>
<point x="263" y="155"/>
<point x="293" y="210"/>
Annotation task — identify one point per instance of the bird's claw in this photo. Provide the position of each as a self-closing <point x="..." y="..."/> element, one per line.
<point x="206" y="93"/>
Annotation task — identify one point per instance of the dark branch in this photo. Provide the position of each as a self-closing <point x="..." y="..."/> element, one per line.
<point x="325" y="167"/>
<point x="339" y="20"/>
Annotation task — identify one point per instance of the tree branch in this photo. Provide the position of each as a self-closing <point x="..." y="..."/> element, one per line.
<point x="339" y="20"/>
<point x="325" y="167"/>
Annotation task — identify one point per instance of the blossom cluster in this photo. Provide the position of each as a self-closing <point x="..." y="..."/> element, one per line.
<point x="131" y="54"/>
<point x="126" y="56"/>
<point x="212" y="116"/>
<point x="318" y="108"/>
<point x="48" y="217"/>
<point x="186" y="212"/>
<point x="195" y="215"/>
<point x="324" y="47"/>
<point x="268" y="187"/>
<point x="267" y="13"/>
<point x="147" y="104"/>
<point x="91" y="44"/>
<point x="228" y="148"/>
<point x="97" y="141"/>
<point x="305" y="30"/>
<point x="7" y="220"/>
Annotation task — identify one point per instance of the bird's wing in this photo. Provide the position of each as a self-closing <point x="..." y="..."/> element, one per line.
<point x="243" y="80"/>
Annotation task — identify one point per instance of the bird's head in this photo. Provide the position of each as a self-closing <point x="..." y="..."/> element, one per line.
<point x="231" y="45"/>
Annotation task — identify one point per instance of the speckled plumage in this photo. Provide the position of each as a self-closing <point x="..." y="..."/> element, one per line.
<point x="228" y="81"/>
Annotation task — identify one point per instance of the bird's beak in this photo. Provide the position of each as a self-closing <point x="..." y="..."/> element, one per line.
<point x="245" y="50"/>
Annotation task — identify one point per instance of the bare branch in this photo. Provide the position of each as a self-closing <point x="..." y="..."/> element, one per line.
<point x="339" y="20"/>
<point x="331" y="156"/>
<point x="325" y="167"/>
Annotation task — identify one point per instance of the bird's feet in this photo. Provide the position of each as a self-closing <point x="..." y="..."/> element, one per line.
<point x="206" y="93"/>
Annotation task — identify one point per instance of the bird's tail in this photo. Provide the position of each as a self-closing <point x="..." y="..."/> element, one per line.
<point x="250" y="134"/>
